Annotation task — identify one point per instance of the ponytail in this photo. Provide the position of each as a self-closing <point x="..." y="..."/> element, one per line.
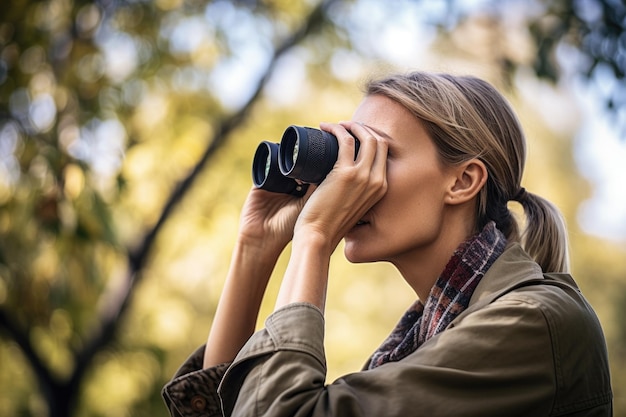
<point x="545" y="236"/>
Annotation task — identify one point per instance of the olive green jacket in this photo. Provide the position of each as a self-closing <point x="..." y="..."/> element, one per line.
<point x="527" y="345"/>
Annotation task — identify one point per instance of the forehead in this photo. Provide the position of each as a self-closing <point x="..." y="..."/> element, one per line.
<point x="387" y="117"/>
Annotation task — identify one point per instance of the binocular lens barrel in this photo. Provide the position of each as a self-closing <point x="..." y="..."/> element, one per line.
<point x="304" y="156"/>
<point x="307" y="154"/>
<point x="267" y="175"/>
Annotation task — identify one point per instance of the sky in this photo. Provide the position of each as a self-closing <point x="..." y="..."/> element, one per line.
<point x="601" y="158"/>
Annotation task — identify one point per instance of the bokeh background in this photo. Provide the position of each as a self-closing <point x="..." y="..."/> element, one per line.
<point x="127" y="130"/>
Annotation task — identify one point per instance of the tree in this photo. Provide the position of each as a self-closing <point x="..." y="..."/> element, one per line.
<point x="596" y="30"/>
<point x="56" y="105"/>
<point x="85" y="84"/>
<point x="583" y="38"/>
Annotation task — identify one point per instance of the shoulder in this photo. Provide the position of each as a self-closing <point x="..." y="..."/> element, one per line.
<point x="515" y="297"/>
<point x="573" y="326"/>
<point x="546" y="319"/>
<point x="515" y="282"/>
<point x="547" y="308"/>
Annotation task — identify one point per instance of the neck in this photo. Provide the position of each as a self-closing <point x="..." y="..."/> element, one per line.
<point x="421" y="267"/>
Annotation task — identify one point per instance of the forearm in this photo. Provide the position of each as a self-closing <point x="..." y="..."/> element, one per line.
<point x="306" y="276"/>
<point x="236" y="315"/>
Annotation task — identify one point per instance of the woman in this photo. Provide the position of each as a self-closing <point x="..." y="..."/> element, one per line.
<point x="499" y="328"/>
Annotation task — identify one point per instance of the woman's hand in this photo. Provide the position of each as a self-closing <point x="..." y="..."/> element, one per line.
<point x="351" y="188"/>
<point x="268" y="219"/>
<point x="341" y="200"/>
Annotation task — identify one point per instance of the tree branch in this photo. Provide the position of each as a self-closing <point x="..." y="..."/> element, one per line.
<point x="46" y="380"/>
<point x="137" y="259"/>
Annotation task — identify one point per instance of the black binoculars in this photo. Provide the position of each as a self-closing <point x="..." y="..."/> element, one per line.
<point x="304" y="156"/>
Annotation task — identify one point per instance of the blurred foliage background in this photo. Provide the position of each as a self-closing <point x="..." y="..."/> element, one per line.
<point x="127" y="130"/>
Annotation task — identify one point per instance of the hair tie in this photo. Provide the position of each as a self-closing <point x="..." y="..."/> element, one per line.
<point x="519" y="195"/>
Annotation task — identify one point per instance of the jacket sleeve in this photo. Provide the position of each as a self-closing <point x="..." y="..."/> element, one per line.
<point x="193" y="390"/>
<point x="497" y="361"/>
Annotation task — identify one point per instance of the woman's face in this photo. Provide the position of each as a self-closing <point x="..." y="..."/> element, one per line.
<point x="408" y="220"/>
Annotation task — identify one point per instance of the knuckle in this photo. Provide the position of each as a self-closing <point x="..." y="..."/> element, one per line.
<point x="360" y="176"/>
<point x="379" y="184"/>
<point x="345" y="137"/>
<point x="349" y="174"/>
<point x="370" y="139"/>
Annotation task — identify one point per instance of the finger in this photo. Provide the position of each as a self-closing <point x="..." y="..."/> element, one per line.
<point x="369" y="143"/>
<point x="378" y="165"/>
<point x="382" y="149"/>
<point x="379" y="168"/>
<point x="345" y="140"/>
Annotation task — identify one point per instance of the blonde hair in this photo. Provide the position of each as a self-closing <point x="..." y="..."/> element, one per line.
<point x="468" y="118"/>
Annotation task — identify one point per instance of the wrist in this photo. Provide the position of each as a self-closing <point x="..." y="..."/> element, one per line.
<point x="251" y="267"/>
<point x="306" y="239"/>
<point x="259" y="248"/>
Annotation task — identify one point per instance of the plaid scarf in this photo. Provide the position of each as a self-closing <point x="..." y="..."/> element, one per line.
<point x="447" y="299"/>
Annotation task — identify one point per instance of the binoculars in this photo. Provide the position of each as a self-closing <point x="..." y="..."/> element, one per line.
<point x="304" y="156"/>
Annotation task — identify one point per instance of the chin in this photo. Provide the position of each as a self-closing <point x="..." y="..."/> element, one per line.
<point x="356" y="256"/>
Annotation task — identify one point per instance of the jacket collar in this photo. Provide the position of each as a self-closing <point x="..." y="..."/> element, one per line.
<point x="512" y="269"/>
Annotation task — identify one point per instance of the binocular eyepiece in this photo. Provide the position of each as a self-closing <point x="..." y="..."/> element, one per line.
<point x="304" y="156"/>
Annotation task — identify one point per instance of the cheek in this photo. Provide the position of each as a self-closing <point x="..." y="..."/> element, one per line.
<point x="414" y="199"/>
<point x="411" y="187"/>
<point x="413" y="215"/>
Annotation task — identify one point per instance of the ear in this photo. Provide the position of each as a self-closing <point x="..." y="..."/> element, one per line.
<point x="467" y="180"/>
